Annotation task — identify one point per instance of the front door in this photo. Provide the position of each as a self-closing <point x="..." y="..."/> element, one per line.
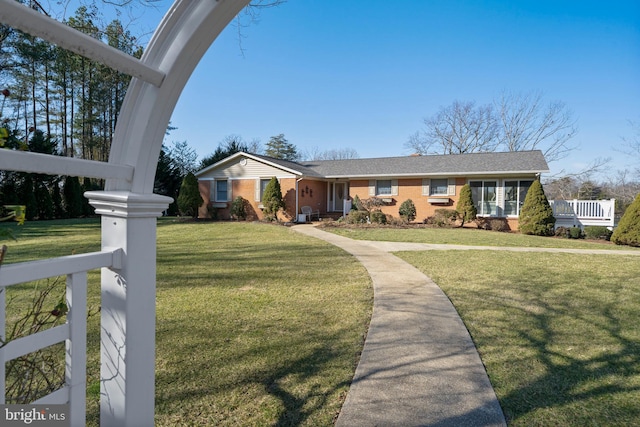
<point x="339" y="193"/>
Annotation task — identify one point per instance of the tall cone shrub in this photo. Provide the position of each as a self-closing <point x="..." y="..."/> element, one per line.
<point x="466" y="208"/>
<point x="628" y="230"/>
<point x="272" y="199"/>
<point x="536" y="215"/>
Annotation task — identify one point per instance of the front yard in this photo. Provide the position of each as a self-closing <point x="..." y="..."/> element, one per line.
<point x="258" y="325"/>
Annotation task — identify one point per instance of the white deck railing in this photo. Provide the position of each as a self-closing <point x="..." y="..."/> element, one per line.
<point x="73" y="332"/>
<point x="578" y="213"/>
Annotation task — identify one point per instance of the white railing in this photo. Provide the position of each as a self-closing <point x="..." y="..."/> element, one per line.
<point x="73" y="332"/>
<point x="578" y="213"/>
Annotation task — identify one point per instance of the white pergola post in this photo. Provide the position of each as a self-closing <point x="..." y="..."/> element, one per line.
<point x="127" y="337"/>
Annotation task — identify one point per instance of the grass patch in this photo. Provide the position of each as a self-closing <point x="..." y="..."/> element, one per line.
<point x="252" y="327"/>
<point x="465" y="236"/>
<point x="558" y="333"/>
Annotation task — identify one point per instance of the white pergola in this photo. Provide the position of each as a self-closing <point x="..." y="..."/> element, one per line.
<point x="127" y="206"/>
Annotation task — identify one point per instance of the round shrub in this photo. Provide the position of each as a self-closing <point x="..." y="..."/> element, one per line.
<point x="378" y="217"/>
<point x="357" y="217"/>
<point x="408" y="210"/>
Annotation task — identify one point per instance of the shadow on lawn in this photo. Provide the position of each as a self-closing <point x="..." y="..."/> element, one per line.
<point x="594" y="378"/>
<point x="296" y="383"/>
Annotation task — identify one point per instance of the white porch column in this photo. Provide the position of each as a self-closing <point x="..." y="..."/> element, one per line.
<point x="127" y="324"/>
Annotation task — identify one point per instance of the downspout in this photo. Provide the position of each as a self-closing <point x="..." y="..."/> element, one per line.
<point x="297" y="201"/>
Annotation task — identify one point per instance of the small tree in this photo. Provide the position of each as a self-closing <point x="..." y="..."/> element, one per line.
<point x="536" y="215"/>
<point x="189" y="199"/>
<point x="466" y="209"/>
<point x="408" y="210"/>
<point x="272" y="199"/>
<point x="628" y="230"/>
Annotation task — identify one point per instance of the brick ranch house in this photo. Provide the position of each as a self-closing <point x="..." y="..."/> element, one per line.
<point x="499" y="183"/>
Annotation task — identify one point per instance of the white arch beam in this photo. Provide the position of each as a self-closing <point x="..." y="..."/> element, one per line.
<point x="177" y="46"/>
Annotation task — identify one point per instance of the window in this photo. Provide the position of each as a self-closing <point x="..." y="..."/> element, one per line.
<point x="263" y="186"/>
<point x="221" y="191"/>
<point x="514" y="194"/>
<point x="484" y="196"/>
<point x="383" y="187"/>
<point x="439" y="187"/>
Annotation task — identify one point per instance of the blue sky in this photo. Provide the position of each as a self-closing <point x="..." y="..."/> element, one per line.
<point x="364" y="74"/>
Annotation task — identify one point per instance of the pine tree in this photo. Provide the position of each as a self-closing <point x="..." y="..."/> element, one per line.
<point x="279" y="148"/>
<point x="536" y="215"/>
<point x="189" y="199"/>
<point x="272" y="199"/>
<point x="72" y="195"/>
<point x="465" y="207"/>
<point x="628" y="230"/>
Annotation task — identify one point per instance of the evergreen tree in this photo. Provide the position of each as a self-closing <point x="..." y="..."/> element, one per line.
<point x="167" y="180"/>
<point x="189" y="199"/>
<point x="272" y="199"/>
<point x="72" y="196"/>
<point x="29" y="198"/>
<point x="536" y="215"/>
<point x="56" y="199"/>
<point x="466" y="208"/>
<point x="278" y="147"/>
<point x="628" y="230"/>
<point x="230" y="145"/>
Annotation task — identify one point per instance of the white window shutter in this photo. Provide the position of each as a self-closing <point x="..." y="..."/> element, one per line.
<point x="425" y="186"/>
<point x="451" y="191"/>
<point x="394" y="187"/>
<point x="372" y="187"/>
<point x="229" y="187"/>
<point x="257" y="195"/>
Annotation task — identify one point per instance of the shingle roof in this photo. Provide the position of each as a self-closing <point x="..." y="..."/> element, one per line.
<point x="450" y="164"/>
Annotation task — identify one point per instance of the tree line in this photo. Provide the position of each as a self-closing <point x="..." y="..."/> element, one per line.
<point x="60" y="103"/>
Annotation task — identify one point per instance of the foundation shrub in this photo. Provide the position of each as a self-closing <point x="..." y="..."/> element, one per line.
<point x="562" y="232"/>
<point x="378" y="217"/>
<point x="499" y="224"/>
<point x="575" y="233"/>
<point x="408" y="210"/>
<point x="357" y="217"/>
<point x="597" y="232"/>
<point x="443" y="218"/>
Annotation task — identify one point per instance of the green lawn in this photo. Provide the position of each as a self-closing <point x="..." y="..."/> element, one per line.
<point x="253" y="328"/>
<point x="466" y="236"/>
<point x="558" y="333"/>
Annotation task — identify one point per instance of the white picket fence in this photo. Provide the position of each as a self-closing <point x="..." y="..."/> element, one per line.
<point x="73" y="332"/>
<point x="579" y="213"/>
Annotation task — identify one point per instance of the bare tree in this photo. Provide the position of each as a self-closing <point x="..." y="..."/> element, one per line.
<point x="526" y="123"/>
<point x="332" y="154"/>
<point x="631" y="146"/>
<point x="461" y="127"/>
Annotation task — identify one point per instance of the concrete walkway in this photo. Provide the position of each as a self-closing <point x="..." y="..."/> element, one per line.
<point x="419" y="366"/>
